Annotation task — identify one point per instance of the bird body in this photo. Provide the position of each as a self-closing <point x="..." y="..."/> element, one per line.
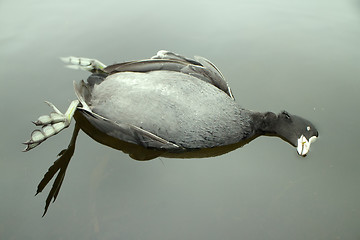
<point x="177" y="107"/>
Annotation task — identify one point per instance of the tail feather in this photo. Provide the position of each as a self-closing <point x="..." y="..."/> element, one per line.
<point x="82" y="93"/>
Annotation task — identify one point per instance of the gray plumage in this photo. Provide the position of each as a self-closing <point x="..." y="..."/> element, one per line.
<point x="174" y="106"/>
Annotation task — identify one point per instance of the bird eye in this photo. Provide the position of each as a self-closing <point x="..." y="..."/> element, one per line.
<point x="308" y="128"/>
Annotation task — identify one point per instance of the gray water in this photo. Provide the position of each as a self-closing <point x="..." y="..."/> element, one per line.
<point x="298" y="55"/>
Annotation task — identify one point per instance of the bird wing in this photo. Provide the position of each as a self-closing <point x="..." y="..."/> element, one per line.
<point x="122" y="131"/>
<point x="128" y="132"/>
<point x="164" y="60"/>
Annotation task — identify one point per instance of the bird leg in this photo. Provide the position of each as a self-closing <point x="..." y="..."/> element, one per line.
<point x="87" y="64"/>
<point x="60" y="165"/>
<point x="51" y="125"/>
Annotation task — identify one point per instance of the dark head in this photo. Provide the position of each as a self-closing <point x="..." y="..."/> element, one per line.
<point x="296" y="130"/>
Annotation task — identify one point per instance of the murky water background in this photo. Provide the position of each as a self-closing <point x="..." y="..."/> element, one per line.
<point x="302" y="56"/>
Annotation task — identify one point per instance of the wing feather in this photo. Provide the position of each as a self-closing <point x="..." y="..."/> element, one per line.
<point x="164" y="60"/>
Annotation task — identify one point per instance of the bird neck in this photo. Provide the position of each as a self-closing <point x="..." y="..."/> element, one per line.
<point x="264" y="123"/>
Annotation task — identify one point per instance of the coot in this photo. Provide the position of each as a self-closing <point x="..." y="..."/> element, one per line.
<point x="168" y="105"/>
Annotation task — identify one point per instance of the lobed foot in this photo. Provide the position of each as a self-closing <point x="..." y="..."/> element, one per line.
<point x="51" y="125"/>
<point x="87" y="64"/>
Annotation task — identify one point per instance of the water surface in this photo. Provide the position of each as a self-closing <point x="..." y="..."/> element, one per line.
<point x="302" y="56"/>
